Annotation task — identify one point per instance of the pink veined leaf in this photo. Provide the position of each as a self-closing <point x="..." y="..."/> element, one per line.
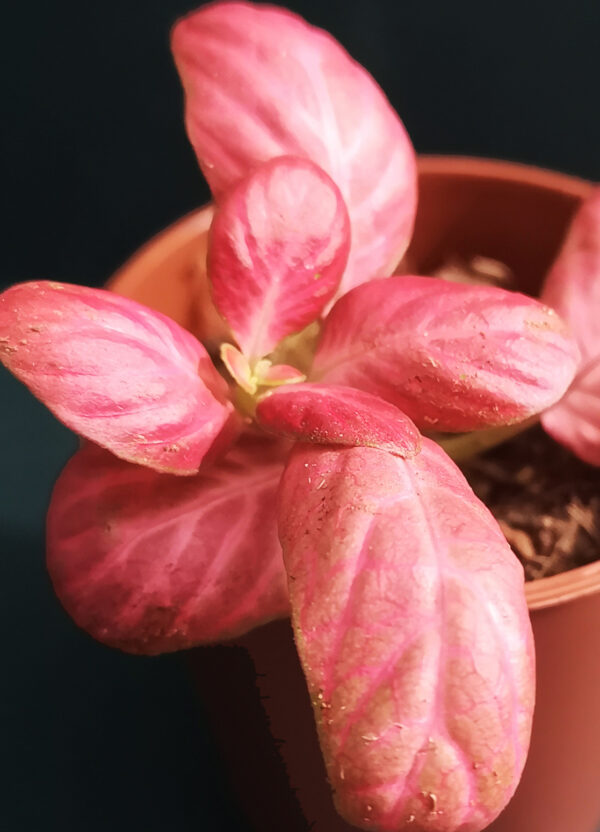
<point x="125" y="377"/>
<point x="151" y="563"/>
<point x="260" y="82"/>
<point x="410" y="620"/>
<point x="572" y="287"/>
<point x="330" y="415"/>
<point x="278" y="247"/>
<point x="452" y="357"/>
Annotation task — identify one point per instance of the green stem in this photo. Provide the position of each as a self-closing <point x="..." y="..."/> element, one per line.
<point x="462" y="446"/>
<point x="244" y="402"/>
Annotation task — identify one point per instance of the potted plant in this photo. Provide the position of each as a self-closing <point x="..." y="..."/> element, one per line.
<point x="162" y="532"/>
<point x="502" y="207"/>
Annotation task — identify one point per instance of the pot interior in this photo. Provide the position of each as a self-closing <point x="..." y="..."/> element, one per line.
<point x="478" y="207"/>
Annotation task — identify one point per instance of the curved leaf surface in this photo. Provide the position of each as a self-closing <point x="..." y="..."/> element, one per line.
<point x="151" y="563"/>
<point x="260" y="82"/>
<point x="330" y="415"/>
<point x="452" y="357"/>
<point x="125" y="377"/>
<point x="410" y="619"/>
<point x="572" y="287"/>
<point x="575" y="420"/>
<point x="278" y="247"/>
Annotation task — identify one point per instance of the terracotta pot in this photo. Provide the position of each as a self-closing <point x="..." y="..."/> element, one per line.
<point x="254" y="690"/>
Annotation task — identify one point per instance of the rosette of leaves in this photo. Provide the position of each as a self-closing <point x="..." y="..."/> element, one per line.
<point x="291" y="475"/>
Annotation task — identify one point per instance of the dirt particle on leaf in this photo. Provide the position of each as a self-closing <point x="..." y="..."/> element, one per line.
<point x="320" y="702"/>
<point x="429" y="800"/>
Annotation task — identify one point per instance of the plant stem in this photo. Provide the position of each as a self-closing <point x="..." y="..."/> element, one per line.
<point x="462" y="446"/>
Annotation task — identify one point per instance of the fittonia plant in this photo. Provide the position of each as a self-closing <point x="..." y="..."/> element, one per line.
<point x="406" y="601"/>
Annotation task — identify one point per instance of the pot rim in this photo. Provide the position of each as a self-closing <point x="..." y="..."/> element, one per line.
<point x="518" y="173"/>
<point x="540" y="594"/>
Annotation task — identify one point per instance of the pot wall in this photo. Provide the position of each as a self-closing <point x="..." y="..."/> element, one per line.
<point x="517" y="215"/>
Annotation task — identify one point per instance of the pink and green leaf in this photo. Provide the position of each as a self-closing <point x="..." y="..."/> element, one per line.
<point x="260" y="82"/>
<point x="125" y="377"/>
<point x="272" y="375"/>
<point x="238" y="367"/>
<point x="411" y="623"/>
<point x="452" y="357"/>
<point x="572" y="287"/>
<point x="278" y="247"/>
<point x="151" y="563"/>
<point x="330" y="415"/>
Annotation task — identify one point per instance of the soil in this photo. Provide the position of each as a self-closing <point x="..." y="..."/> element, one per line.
<point x="546" y="500"/>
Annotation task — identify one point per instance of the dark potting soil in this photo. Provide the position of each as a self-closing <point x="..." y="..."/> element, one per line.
<point x="546" y="500"/>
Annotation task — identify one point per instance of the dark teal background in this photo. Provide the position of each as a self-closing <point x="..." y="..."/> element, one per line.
<point x="95" y="161"/>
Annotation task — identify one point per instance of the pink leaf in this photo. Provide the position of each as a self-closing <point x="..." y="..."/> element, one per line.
<point x="411" y="624"/>
<point x="278" y="247"/>
<point x="271" y="375"/>
<point x="121" y="375"/>
<point x="152" y="563"/>
<point x="575" y="420"/>
<point x="452" y="357"/>
<point x="337" y="416"/>
<point x="260" y="83"/>
<point x="573" y="289"/>
<point x="238" y="367"/>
